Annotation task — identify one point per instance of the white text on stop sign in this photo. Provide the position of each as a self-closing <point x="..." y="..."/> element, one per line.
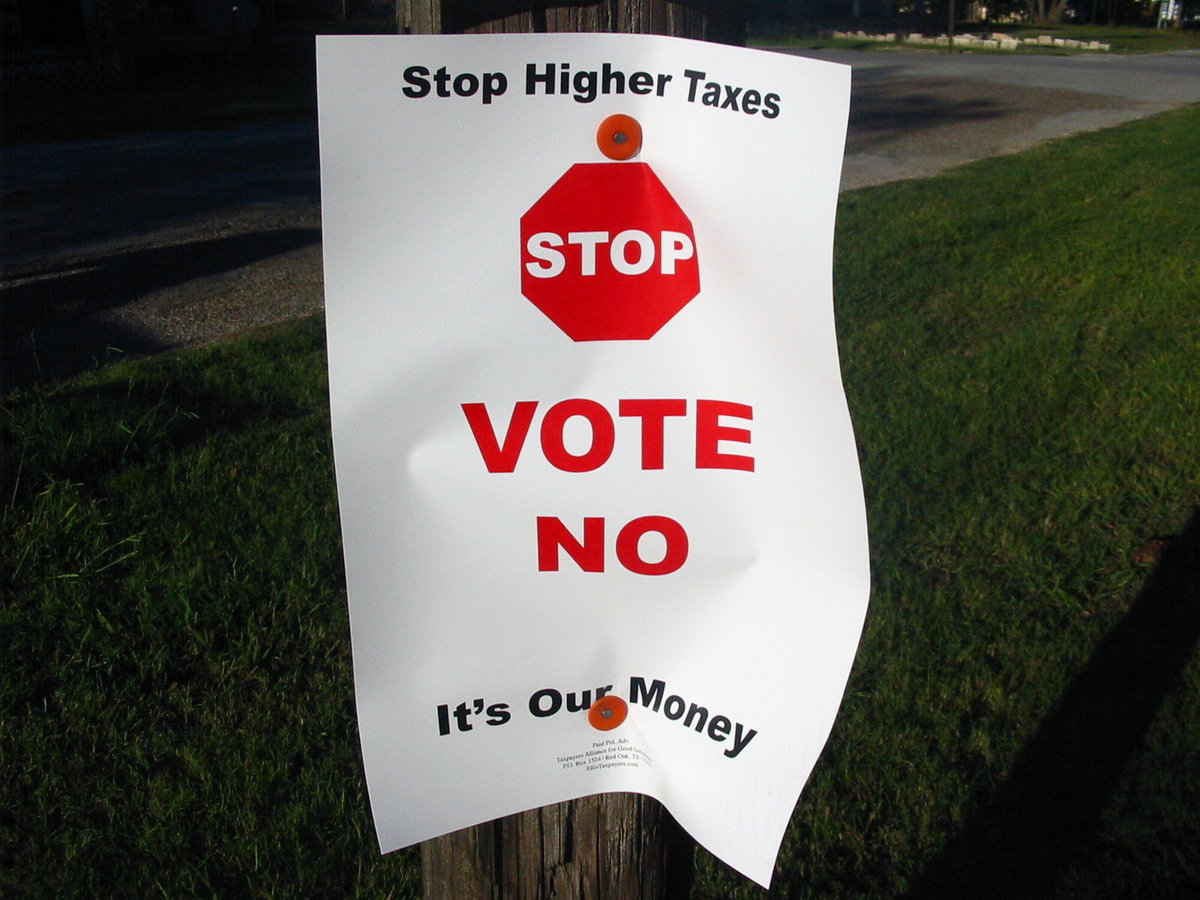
<point x="631" y="252"/>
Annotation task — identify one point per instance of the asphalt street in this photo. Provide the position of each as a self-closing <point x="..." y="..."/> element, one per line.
<point x="155" y="241"/>
<point x="916" y="114"/>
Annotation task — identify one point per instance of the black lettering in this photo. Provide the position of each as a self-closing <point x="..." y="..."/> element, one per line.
<point x="674" y="707"/>
<point x="613" y="82"/>
<point x="418" y="77"/>
<point x="651" y="698"/>
<point x="731" y="95"/>
<point x="662" y="83"/>
<point x="498" y="714"/>
<point x="740" y="739"/>
<point x="494" y="85"/>
<point x="541" y="711"/>
<point x="693" y="78"/>
<point x="466" y="84"/>
<point x="533" y="79"/>
<point x="750" y="102"/>
<point x="712" y="94"/>
<point x="698" y="714"/>
<point x="641" y="82"/>
<point x="443" y="719"/>
<point x="585" y="87"/>
<point x="771" y="102"/>
<point x="719" y="728"/>
<point x="578" y="702"/>
<point x="442" y="80"/>
<point x="460" y="716"/>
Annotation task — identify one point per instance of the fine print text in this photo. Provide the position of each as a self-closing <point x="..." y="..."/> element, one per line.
<point x="607" y="753"/>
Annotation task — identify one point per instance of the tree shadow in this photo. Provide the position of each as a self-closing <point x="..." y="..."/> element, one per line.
<point x="68" y="348"/>
<point x="54" y="322"/>
<point x="63" y="196"/>
<point x="880" y="111"/>
<point x="1051" y="804"/>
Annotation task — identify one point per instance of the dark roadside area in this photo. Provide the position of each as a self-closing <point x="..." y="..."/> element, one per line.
<point x="171" y="205"/>
<point x="191" y="87"/>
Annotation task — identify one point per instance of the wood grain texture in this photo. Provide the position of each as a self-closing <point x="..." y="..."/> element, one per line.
<point x="711" y="20"/>
<point x="603" y="847"/>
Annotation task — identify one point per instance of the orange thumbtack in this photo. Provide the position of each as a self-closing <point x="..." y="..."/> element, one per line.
<point x="608" y="712"/>
<point x="619" y="137"/>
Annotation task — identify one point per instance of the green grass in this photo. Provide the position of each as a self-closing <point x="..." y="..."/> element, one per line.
<point x="1019" y="341"/>
<point x="1122" y="39"/>
<point x="177" y="702"/>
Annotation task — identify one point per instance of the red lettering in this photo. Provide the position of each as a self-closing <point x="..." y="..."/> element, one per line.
<point x="553" y="534"/>
<point x="710" y="432"/>
<point x="499" y="458"/>
<point x="652" y="413"/>
<point x="631" y="535"/>
<point x="588" y="554"/>
<point x="604" y="435"/>
<point x="503" y="456"/>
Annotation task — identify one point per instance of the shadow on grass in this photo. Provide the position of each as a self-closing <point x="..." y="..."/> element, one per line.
<point x="94" y="429"/>
<point x="54" y="321"/>
<point x="1051" y="804"/>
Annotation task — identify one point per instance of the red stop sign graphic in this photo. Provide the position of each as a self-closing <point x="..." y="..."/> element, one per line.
<point x="607" y="254"/>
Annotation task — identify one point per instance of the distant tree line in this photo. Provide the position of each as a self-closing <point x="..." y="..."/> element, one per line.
<point x="796" y="13"/>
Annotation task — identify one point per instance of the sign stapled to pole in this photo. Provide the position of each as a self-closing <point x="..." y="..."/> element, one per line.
<point x="601" y="508"/>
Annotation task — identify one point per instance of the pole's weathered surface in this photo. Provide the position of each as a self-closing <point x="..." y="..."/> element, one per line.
<point x="606" y="846"/>
<point x="603" y="847"/>
<point x="709" y="20"/>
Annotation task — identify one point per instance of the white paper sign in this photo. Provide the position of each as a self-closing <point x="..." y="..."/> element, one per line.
<point x="589" y="426"/>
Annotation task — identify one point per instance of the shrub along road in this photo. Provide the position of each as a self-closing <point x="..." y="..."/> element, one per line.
<point x="155" y="241"/>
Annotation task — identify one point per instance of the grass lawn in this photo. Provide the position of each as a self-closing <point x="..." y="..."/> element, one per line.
<point x="1019" y="341"/>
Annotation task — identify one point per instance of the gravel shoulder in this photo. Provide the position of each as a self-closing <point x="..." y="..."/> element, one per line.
<point x="152" y="242"/>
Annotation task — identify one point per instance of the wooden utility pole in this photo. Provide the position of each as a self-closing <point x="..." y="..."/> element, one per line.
<point x="710" y="20"/>
<point x="606" y="846"/>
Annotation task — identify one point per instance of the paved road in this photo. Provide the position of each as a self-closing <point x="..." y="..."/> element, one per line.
<point x="916" y="114"/>
<point x="156" y="241"/>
